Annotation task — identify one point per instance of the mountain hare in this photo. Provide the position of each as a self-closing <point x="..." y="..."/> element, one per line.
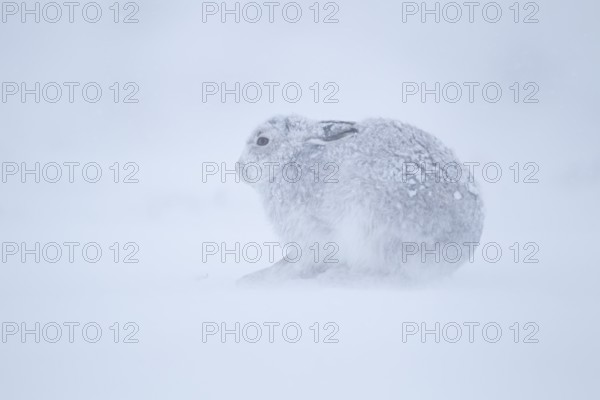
<point x="375" y="199"/>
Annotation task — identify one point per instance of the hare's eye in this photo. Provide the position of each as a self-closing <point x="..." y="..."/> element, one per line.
<point x="262" y="141"/>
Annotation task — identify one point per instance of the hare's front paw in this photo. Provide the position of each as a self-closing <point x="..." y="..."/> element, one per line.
<point x="284" y="271"/>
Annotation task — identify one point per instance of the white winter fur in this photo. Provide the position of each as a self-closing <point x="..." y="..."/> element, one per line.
<point x="368" y="208"/>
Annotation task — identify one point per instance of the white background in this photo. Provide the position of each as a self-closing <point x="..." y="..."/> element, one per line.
<point x="171" y="212"/>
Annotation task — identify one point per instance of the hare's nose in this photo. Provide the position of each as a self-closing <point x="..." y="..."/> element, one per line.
<point x="242" y="158"/>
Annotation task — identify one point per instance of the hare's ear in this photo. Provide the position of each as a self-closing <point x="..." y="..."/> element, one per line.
<point x="331" y="131"/>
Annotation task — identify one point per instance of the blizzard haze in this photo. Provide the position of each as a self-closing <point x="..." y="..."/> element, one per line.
<point x="171" y="296"/>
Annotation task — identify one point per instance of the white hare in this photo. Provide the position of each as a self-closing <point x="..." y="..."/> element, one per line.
<point x="377" y="198"/>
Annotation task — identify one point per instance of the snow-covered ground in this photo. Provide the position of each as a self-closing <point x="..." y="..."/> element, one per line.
<point x="171" y="294"/>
